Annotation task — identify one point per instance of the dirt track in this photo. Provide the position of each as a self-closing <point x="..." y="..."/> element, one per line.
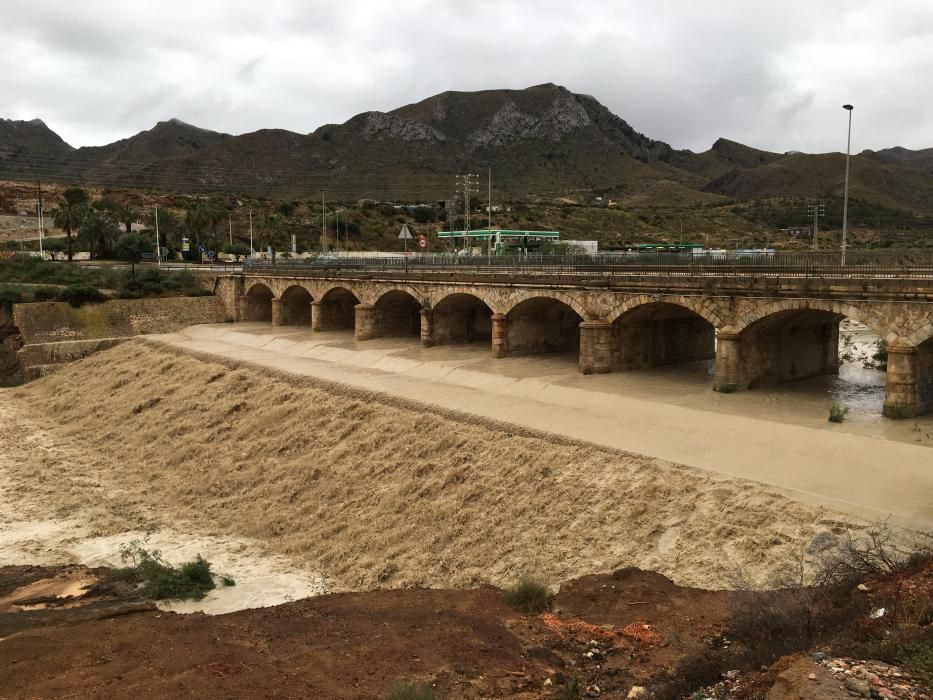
<point x="371" y="492"/>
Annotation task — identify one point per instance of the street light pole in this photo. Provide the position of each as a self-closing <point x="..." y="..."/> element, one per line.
<point x="845" y="196"/>
<point x="158" y="244"/>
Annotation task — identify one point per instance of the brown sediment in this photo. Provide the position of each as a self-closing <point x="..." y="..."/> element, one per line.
<point x="370" y="490"/>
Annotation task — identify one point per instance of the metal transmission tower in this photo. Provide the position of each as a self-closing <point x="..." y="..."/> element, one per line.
<point x="816" y="211"/>
<point x="468" y="184"/>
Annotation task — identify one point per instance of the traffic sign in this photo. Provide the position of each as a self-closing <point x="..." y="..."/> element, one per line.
<point x="201" y="248"/>
<point x="405" y="233"/>
<point x="422" y="242"/>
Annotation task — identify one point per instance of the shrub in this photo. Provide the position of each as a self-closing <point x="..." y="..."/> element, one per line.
<point x="10" y="296"/>
<point x="409" y="690"/>
<point x="571" y="690"/>
<point x="529" y="596"/>
<point x="45" y="294"/>
<point x="877" y="552"/>
<point x="78" y="294"/>
<point x="837" y="413"/>
<point x="159" y="580"/>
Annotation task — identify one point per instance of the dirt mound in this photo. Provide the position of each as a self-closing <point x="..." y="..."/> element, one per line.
<point x="372" y="492"/>
<point x="466" y="644"/>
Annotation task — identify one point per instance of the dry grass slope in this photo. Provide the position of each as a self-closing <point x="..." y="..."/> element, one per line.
<point x="376" y="493"/>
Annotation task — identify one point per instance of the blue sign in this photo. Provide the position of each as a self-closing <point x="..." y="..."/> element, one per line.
<point x="201" y="248"/>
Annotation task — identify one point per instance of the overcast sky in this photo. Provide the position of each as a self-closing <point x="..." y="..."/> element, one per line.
<point x="771" y="74"/>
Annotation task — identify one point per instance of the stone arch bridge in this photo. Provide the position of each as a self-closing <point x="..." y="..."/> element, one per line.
<point x="759" y="330"/>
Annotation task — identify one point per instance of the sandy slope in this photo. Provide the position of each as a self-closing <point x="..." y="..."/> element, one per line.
<point x="371" y="491"/>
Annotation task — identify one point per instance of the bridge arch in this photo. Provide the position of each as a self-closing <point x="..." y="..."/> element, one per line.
<point x="562" y="297"/>
<point x="335" y="309"/>
<point x="543" y="323"/>
<point x="259" y="303"/>
<point x="662" y="331"/>
<point x="461" y="317"/>
<point x="295" y="306"/>
<point x="841" y="309"/>
<point x="397" y="314"/>
<point x="701" y="307"/>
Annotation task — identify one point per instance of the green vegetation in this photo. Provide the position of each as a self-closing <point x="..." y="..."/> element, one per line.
<point x="410" y="690"/>
<point x="159" y="580"/>
<point x="20" y="271"/>
<point x="80" y="294"/>
<point x="837" y="413"/>
<point x="529" y="596"/>
<point x="571" y="690"/>
<point x="228" y="580"/>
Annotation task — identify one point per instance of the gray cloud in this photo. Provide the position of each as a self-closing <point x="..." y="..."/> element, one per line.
<point x="770" y="74"/>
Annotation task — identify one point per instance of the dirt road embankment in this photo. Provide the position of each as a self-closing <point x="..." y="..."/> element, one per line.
<point x="372" y="491"/>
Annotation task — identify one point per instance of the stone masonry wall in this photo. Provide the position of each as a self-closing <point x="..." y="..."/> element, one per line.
<point x="52" y="333"/>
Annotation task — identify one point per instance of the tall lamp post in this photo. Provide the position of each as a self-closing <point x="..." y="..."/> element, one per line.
<point x="845" y="196"/>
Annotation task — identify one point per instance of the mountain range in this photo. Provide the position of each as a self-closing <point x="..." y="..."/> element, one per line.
<point x="543" y="142"/>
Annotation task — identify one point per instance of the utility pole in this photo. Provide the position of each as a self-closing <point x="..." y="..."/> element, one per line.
<point x="337" y="225"/>
<point x="158" y="245"/>
<point x="845" y="200"/>
<point x="489" y="207"/>
<point x="230" y="222"/>
<point x="39" y="212"/>
<point x="323" y="220"/>
<point x="251" y="233"/>
<point x="817" y="210"/>
<point x="467" y="183"/>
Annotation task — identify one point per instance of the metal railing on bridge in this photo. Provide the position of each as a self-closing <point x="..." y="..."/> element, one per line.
<point x="907" y="264"/>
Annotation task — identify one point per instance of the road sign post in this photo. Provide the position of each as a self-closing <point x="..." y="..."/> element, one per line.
<point x="405" y="235"/>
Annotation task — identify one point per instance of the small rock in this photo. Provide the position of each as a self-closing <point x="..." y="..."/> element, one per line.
<point x="636" y="691"/>
<point x="862" y="587"/>
<point x="592" y="690"/>
<point x="547" y="682"/>
<point x="818" y="656"/>
<point x="859" y="687"/>
<point x="812" y="676"/>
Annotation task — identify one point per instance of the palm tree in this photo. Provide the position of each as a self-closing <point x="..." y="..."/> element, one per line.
<point x="71" y="211"/>
<point x="99" y="230"/>
<point x="272" y="233"/>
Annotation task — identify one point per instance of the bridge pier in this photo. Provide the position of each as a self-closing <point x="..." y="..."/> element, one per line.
<point x="427" y="328"/>
<point x="242" y="304"/>
<point x="596" y="345"/>
<point x="730" y="374"/>
<point x="500" y="335"/>
<point x="909" y="389"/>
<point x="278" y="315"/>
<point x="364" y="327"/>
<point x="317" y="318"/>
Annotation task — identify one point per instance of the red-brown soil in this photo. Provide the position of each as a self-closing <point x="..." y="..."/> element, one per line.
<point x="467" y="643"/>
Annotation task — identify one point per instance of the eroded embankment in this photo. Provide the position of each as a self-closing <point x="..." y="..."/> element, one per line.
<point x="374" y="492"/>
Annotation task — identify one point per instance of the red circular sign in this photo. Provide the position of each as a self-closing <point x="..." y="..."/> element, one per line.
<point x="423" y="242"/>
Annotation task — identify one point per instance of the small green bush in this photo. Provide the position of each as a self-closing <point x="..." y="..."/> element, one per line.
<point x="45" y="294"/>
<point x="409" y="690"/>
<point x="837" y="413"/>
<point x="228" y="581"/>
<point x="10" y="296"/>
<point x="80" y="294"/>
<point x="529" y="596"/>
<point x="571" y="690"/>
<point x="159" y="580"/>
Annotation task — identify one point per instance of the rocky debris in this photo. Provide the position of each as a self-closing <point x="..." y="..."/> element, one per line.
<point x="873" y="679"/>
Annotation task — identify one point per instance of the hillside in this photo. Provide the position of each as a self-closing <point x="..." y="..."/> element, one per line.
<point x="545" y="144"/>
